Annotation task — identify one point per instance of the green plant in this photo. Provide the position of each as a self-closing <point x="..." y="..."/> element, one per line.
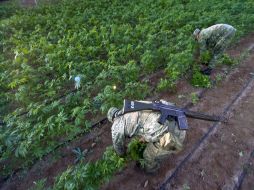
<point x="194" y="97"/>
<point x="205" y="57"/>
<point x="80" y="155"/>
<point x="90" y="175"/>
<point x="200" y="80"/>
<point x="39" y="185"/>
<point x="135" y="149"/>
<point x="164" y="84"/>
<point x="186" y="186"/>
<point x="218" y="78"/>
<point x="227" y="60"/>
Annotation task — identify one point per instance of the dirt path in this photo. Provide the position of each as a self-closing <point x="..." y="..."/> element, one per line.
<point x="213" y="100"/>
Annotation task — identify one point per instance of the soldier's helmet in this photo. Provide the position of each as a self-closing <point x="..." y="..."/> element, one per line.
<point x="196" y="32"/>
<point x="111" y="113"/>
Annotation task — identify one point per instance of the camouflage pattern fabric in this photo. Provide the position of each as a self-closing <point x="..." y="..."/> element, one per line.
<point x="215" y="39"/>
<point x="162" y="140"/>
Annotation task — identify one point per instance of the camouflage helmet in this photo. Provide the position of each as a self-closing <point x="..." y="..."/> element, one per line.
<point x="111" y="113"/>
<point x="196" y="32"/>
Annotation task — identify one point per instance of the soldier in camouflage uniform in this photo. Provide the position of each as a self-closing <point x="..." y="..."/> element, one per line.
<point x="215" y="39"/>
<point x="162" y="140"/>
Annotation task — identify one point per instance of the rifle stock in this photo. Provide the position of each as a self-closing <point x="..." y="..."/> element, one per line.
<point x="131" y="106"/>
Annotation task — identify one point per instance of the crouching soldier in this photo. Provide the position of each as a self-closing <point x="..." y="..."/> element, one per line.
<point x="215" y="40"/>
<point x="162" y="140"/>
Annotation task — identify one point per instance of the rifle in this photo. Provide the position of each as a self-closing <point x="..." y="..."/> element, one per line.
<point x="167" y="110"/>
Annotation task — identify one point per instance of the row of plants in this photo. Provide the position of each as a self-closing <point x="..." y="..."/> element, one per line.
<point x="109" y="44"/>
<point x="91" y="175"/>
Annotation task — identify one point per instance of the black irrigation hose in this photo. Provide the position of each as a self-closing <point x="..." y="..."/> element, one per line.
<point x="206" y="135"/>
<point x="238" y="185"/>
<point x="46" y="102"/>
<point x="97" y="124"/>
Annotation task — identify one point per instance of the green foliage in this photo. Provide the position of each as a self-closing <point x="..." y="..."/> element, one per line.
<point x="39" y="185"/>
<point x="164" y="84"/>
<point x="90" y="175"/>
<point x="110" y="44"/>
<point x="80" y="155"/>
<point x="186" y="186"/>
<point x="218" y="78"/>
<point x="200" y="80"/>
<point x="178" y="65"/>
<point x="7" y="9"/>
<point x="205" y="57"/>
<point x="194" y="97"/>
<point x="227" y="60"/>
<point x="135" y="149"/>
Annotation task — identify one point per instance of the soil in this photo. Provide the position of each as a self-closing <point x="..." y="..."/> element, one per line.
<point x="28" y="2"/>
<point x="215" y="156"/>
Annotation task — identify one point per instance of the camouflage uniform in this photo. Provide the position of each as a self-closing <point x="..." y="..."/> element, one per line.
<point x="162" y="140"/>
<point x="215" y="39"/>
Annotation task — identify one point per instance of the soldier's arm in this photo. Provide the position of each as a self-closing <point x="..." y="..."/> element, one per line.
<point x="202" y="46"/>
<point x="196" y="53"/>
<point x="118" y="136"/>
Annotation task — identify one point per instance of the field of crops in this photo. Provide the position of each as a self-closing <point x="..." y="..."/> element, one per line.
<point x="111" y="45"/>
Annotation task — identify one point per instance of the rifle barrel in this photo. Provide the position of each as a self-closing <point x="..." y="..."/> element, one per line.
<point x="201" y="116"/>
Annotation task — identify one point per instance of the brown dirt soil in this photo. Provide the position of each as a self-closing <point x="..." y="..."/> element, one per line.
<point x="218" y="161"/>
<point x="212" y="101"/>
<point x="28" y="2"/>
<point x="249" y="174"/>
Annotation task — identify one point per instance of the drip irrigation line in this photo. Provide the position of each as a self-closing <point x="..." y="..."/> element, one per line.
<point x="97" y="124"/>
<point x="205" y="136"/>
<point x="243" y="174"/>
<point x="46" y="103"/>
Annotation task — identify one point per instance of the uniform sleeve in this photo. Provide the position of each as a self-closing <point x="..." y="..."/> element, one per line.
<point x="202" y="45"/>
<point x="118" y="136"/>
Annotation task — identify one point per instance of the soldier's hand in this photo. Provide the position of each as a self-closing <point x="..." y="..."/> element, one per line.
<point x="142" y="140"/>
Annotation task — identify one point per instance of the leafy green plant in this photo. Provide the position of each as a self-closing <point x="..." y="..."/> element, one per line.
<point x="164" y="84"/>
<point x="39" y="185"/>
<point x="200" y="80"/>
<point x="80" y="155"/>
<point x="227" y="60"/>
<point x="194" y="97"/>
<point x="135" y="149"/>
<point x="218" y="78"/>
<point x="205" y="57"/>
<point x="90" y="175"/>
<point x="186" y="186"/>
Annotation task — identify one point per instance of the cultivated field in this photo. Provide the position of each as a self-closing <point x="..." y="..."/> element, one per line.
<point x="55" y="136"/>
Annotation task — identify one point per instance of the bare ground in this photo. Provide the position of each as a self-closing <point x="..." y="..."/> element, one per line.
<point x="217" y="162"/>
